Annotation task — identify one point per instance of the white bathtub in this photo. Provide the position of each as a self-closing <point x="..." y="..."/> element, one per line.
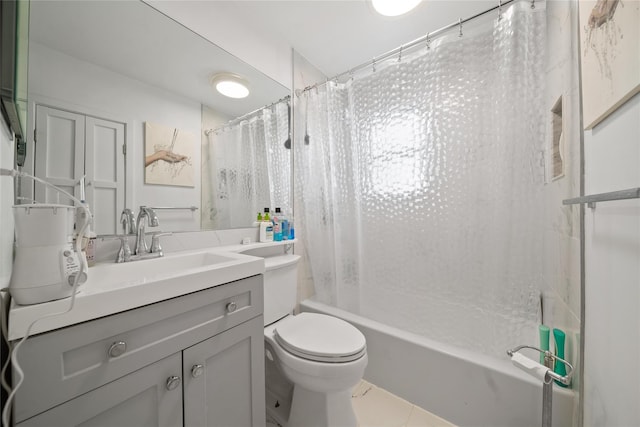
<point x="464" y="388"/>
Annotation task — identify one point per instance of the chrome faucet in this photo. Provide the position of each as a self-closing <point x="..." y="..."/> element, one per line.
<point x="128" y="221"/>
<point x="145" y="215"/>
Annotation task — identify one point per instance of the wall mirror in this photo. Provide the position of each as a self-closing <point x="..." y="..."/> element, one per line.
<point x="121" y="94"/>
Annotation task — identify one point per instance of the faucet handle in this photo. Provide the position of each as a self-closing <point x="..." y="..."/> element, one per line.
<point x="124" y="254"/>
<point x="128" y="221"/>
<point x="155" y="241"/>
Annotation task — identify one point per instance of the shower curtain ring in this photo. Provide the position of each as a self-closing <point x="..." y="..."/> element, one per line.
<point x="400" y="54"/>
<point x="460" y="25"/>
<point x="499" y="10"/>
<point x="373" y="64"/>
<point x="428" y="41"/>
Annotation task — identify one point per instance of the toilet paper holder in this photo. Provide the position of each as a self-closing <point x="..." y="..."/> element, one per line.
<point x="550" y="359"/>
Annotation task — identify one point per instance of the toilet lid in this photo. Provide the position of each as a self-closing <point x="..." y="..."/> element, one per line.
<point x="320" y="338"/>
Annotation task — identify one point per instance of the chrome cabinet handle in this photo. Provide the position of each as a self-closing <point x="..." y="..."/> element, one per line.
<point x="117" y="349"/>
<point x="173" y="382"/>
<point x="197" y="370"/>
<point x="232" y="306"/>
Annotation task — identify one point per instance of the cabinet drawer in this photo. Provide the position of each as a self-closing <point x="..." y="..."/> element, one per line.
<point x="65" y="363"/>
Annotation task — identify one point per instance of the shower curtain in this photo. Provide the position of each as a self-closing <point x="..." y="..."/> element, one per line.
<point x="250" y="167"/>
<point x="421" y="186"/>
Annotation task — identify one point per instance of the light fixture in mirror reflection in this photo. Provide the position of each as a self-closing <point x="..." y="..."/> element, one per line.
<point x="133" y="65"/>
<point x="230" y="85"/>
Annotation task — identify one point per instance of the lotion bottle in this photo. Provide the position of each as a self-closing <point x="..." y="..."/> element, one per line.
<point x="266" y="228"/>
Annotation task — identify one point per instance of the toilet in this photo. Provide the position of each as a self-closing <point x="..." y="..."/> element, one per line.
<point x="312" y="361"/>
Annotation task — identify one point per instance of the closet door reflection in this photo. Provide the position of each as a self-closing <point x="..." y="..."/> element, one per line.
<point x="72" y="145"/>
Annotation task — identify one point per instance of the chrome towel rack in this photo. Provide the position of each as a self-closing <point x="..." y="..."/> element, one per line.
<point x="545" y="373"/>
<point x="191" y="208"/>
<point x="592" y="199"/>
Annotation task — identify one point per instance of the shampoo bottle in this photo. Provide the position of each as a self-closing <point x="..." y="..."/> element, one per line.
<point x="560" y="368"/>
<point x="258" y="220"/>
<point x="292" y="231"/>
<point x="277" y="225"/>
<point x="284" y="225"/>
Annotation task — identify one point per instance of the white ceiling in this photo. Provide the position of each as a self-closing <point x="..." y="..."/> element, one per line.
<point x="135" y="40"/>
<point x="333" y="35"/>
<point x="338" y="35"/>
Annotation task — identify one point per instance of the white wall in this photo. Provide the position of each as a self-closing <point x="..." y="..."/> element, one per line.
<point x="210" y="19"/>
<point x="7" y="150"/>
<point x="65" y="82"/>
<point x="612" y="289"/>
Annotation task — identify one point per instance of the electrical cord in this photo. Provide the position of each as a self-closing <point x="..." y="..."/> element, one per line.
<point x="5" y="336"/>
<point x="13" y="352"/>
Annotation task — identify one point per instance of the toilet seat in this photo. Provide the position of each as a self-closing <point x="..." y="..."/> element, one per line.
<point x="320" y="338"/>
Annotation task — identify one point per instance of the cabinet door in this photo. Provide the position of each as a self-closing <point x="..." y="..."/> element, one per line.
<point x="224" y="379"/>
<point x="139" y="399"/>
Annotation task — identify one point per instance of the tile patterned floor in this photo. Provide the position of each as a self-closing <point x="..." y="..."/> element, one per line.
<point x="376" y="407"/>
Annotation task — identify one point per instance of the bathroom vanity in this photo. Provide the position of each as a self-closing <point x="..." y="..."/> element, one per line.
<point x="194" y="359"/>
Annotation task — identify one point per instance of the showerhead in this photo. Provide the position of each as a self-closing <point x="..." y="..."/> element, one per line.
<point x="287" y="143"/>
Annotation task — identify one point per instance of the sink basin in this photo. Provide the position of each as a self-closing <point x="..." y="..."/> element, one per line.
<point x="143" y="271"/>
<point x="112" y="288"/>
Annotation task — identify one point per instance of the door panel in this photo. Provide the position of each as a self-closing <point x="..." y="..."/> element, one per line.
<point x="59" y="152"/>
<point x="105" y="218"/>
<point x="105" y="173"/>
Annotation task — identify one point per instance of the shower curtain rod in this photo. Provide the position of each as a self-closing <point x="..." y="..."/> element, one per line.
<point x="398" y="50"/>
<point x="244" y="116"/>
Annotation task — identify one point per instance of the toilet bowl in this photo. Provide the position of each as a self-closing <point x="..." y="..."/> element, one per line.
<point x="324" y="358"/>
<point x="319" y="358"/>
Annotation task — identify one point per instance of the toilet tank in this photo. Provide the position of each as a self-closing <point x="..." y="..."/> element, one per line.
<point x="280" y="286"/>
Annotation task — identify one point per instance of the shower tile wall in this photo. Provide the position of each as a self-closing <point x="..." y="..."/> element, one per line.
<point x="562" y="223"/>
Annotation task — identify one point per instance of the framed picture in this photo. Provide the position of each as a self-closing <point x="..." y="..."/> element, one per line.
<point x="610" y="55"/>
<point x="168" y="155"/>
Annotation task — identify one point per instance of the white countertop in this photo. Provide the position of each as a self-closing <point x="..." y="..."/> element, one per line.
<point x="105" y="293"/>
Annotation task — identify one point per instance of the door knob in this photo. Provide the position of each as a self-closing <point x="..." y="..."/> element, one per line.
<point x="117" y="349"/>
<point x="173" y="382"/>
<point x="232" y="306"/>
<point x="197" y="370"/>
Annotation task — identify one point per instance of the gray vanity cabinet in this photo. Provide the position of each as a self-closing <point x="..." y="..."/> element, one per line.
<point x="197" y="358"/>
<point x="140" y="399"/>
<point x="218" y="372"/>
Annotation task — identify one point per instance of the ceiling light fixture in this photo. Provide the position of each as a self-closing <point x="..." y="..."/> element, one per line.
<point x="230" y="85"/>
<point x="394" y="7"/>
